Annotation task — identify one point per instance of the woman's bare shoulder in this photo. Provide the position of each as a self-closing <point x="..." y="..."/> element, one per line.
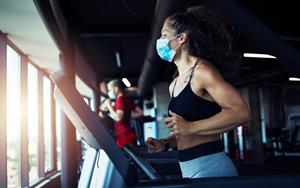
<point x="205" y="71"/>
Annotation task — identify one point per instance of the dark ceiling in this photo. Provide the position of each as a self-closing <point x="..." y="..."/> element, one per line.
<point x="103" y="50"/>
<point x="102" y="28"/>
<point x="281" y="16"/>
<point x="118" y="16"/>
<point x="105" y="28"/>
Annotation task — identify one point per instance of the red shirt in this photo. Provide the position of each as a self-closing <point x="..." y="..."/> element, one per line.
<point x="124" y="134"/>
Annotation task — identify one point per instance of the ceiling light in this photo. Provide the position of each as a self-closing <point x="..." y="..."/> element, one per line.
<point x="294" y="79"/>
<point x="126" y="82"/>
<point x="253" y="55"/>
<point x="118" y="59"/>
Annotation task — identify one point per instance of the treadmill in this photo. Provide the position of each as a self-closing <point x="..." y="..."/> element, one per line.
<point x="106" y="165"/>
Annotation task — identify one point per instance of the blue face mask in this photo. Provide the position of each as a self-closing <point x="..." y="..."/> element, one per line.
<point x="111" y="95"/>
<point x="164" y="51"/>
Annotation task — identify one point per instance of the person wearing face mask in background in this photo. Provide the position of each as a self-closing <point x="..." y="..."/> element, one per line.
<point x="203" y="105"/>
<point x="121" y="112"/>
<point x="108" y="122"/>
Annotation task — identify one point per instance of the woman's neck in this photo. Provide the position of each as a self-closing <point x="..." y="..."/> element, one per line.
<point x="119" y="94"/>
<point x="184" y="63"/>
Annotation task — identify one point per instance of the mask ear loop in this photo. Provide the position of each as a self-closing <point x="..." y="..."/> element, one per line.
<point x="177" y="47"/>
<point x="179" y="44"/>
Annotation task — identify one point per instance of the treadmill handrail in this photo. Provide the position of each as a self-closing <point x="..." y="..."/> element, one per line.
<point x="142" y="163"/>
<point x="88" y="123"/>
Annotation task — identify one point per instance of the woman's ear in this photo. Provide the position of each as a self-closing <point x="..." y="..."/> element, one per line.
<point x="182" y="38"/>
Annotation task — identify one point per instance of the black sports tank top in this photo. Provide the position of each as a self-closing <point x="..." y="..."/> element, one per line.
<point x="190" y="106"/>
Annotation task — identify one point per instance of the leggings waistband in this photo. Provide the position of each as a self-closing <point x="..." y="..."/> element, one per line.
<point x="200" y="150"/>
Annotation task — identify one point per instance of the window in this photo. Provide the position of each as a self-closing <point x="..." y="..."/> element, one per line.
<point x="13" y="118"/>
<point x="23" y="171"/>
<point x="47" y="124"/>
<point x="33" y="122"/>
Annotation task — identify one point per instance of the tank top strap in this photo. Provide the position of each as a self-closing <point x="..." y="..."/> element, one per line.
<point x="174" y="87"/>
<point x="193" y="71"/>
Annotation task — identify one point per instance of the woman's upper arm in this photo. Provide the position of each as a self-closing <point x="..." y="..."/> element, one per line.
<point x="120" y="114"/>
<point x="224" y="94"/>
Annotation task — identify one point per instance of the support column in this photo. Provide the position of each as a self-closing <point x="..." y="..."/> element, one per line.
<point x="257" y="153"/>
<point x="3" y="160"/>
<point x="96" y="101"/>
<point x="24" y="122"/>
<point x="68" y="133"/>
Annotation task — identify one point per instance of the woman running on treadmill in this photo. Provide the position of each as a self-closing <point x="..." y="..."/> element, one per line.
<point x="203" y="105"/>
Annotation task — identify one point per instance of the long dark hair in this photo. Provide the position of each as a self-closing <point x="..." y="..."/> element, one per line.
<point x="208" y="37"/>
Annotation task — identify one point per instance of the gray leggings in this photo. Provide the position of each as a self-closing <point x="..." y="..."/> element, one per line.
<point x="213" y="165"/>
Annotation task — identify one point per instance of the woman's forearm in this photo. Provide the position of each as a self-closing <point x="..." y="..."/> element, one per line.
<point x="172" y="141"/>
<point x="114" y="115"/>
<point x="222" y="122"/>
<point x="136" y="114"/>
